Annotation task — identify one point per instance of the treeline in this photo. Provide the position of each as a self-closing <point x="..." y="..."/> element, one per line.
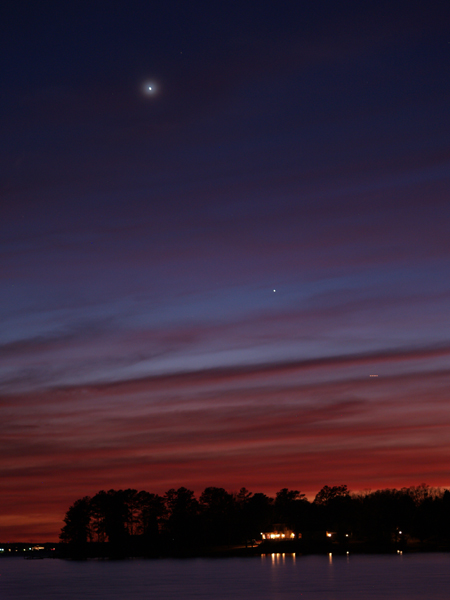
<point x="129" y="522"/>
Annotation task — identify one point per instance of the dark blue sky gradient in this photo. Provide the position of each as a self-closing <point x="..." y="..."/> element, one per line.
<point x="302" y="148"/>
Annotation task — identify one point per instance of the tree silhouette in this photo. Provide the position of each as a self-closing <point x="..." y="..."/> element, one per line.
<point x="242" y="508"/>
<point x="384" y="513"/>
<point x="128" y="522"/>
<point x="152" y="512"/>
<point x="77" y="529"/>
<point x="218" y="516"/>
<point x="289" y="508"/>
<point x="259" y="514"/>
<point x="182" y="523"/>
<point x="328" y="493"/>
<point x="111" y="516"/>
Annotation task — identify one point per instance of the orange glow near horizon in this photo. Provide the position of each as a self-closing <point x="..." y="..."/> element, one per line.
<point x="294" y="427"/>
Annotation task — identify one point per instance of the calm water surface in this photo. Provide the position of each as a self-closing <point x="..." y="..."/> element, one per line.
<point x="274" y="577"/>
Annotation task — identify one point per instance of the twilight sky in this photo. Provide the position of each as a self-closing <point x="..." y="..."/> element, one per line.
<point x="198" y="281"/>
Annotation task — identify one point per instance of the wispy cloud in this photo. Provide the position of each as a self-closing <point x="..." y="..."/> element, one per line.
<point x="299" y="425"/>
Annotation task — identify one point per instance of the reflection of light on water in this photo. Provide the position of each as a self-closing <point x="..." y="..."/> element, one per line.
<point x="330" y="558"/>
<point x="277" y="557"/>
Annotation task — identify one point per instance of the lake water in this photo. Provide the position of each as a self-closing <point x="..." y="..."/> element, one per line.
<point x="274" y="577"/>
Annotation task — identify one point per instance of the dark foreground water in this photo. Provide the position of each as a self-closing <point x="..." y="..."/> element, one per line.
<point x="275" y="577"/>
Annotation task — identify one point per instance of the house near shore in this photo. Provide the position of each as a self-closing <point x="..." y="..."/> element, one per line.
<point x="280" y="532"/>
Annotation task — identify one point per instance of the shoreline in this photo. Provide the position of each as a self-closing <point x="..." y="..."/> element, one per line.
<point x="298" y="548"/>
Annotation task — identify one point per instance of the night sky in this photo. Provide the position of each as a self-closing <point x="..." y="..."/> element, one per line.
<point x="198" y="282"/>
